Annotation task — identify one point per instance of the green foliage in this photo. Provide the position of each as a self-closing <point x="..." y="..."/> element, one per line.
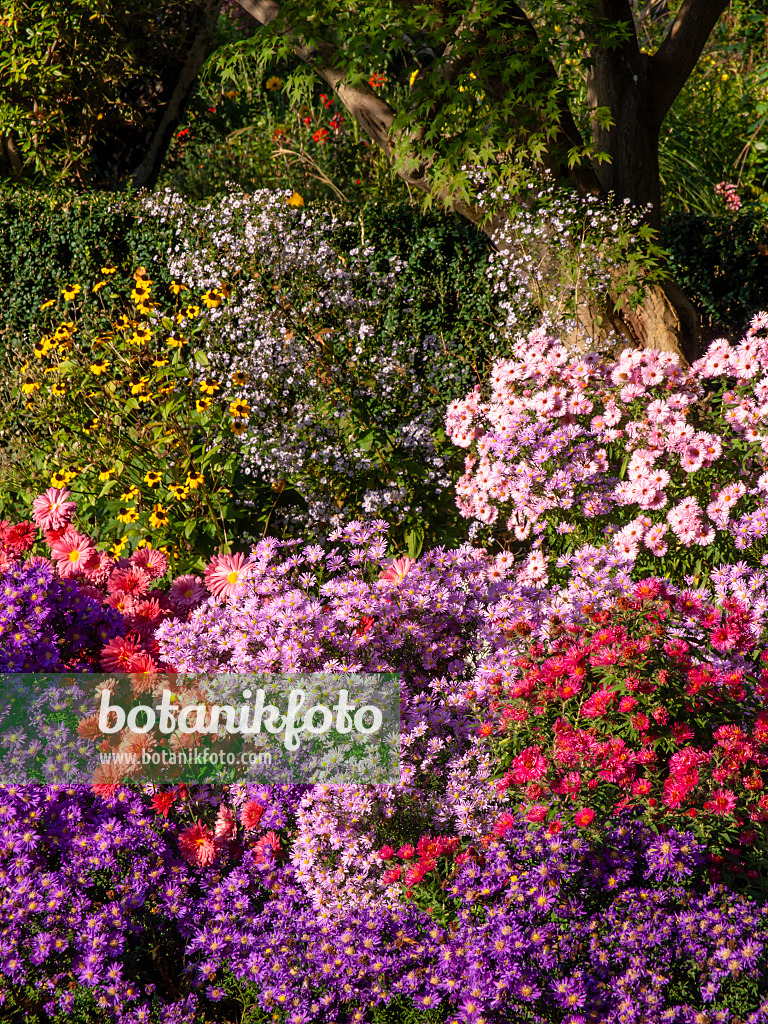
<point x="473" y="87"/>
<point x="254" y="138"/>
<point x="48" y="239"/>
<point x="721" y="263"/>
<point x="80" y="81"/>
<point x="117" y="402"/>
<point x="716" y="130"/>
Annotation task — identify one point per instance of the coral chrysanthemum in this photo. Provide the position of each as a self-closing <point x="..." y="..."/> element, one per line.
<point x="118" y="654"/>
<point x="197" y="845"/>
<point x="73" y="553"/>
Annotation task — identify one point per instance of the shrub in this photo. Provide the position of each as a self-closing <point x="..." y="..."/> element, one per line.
<point x="118" y="398"/>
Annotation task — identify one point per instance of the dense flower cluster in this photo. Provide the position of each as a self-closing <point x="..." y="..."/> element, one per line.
<point x="50" y="624"/>
<point x="195" y="892"/>
<point x="665" y="462"/>
<point x="298" y="334"/>
<point x="654" y="705"/>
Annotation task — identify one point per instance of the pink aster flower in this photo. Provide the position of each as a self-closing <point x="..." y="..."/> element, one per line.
<point x="154" y="563"/>
<point x="197" y="845"/>
<point x="583" y="817"/>
<point x="529" y="765"/>
<point x="73" y="552"/>
<point x="186" y="591"/>
<point x="251" y="814"/>
<point x="52" y="510"/>
<point x="397" y="570"/>
<point x="225" y="573"/>
<point x="723" y="801"/>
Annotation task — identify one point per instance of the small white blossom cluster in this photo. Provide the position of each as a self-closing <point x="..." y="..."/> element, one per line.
<point x="304" y="325"/>
<point x="556" y="258"/>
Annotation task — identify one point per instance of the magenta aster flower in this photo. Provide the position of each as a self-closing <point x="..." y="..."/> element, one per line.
<point x="225" y="572"/>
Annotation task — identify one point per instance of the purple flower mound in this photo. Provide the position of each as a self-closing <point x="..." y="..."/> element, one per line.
<point x="528" y="926"/>
<point x="48" y="624"/>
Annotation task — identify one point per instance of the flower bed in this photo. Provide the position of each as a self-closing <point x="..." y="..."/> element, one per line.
<point x="580" y="829"/>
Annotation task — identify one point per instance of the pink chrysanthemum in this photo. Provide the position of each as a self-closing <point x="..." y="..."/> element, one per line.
<point x="73" y="552"/>
<point x="225" y="573"/>
<point x="397" y="570"/>
<point x="117" y="654"/>
<point x="99" y="568"/>
<point x="251" y="814"/>
<point x="186" y="591"/>
<point x="154" y="563"/>
<point x="226" y="824"/>
<point x="52" y="510"/>
<point x="132" y="582"/>
<point x="197" y="845"/>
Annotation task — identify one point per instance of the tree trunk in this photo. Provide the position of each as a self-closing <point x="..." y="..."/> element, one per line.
<point x="146" y="174"/>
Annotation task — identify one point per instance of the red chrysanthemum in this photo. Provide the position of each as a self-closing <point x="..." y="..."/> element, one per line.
<point x="250" y="815"/>
<point x="197" y="845"/>
<point x="19" y="537"/>
<point x="117" y="654"/>
<point x="132" y="582"/>
<point x="162" y="802"/>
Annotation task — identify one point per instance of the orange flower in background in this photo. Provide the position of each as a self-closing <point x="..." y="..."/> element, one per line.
<point x="376" y="81"/>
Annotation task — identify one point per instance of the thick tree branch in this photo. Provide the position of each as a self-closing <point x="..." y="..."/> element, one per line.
<point x="146" y="173"/>
<point x="676" y="57"/>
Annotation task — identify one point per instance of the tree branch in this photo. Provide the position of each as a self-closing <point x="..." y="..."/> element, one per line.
<point x="676" y="57"/>
<point x="146" y="173"/>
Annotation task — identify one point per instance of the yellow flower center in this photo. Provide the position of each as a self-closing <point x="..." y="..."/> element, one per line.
<point x="233" y="576"/>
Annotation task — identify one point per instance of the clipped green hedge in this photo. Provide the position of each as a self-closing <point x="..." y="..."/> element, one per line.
<point x="50" y="239"/>
<point x="721" y="263"/>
